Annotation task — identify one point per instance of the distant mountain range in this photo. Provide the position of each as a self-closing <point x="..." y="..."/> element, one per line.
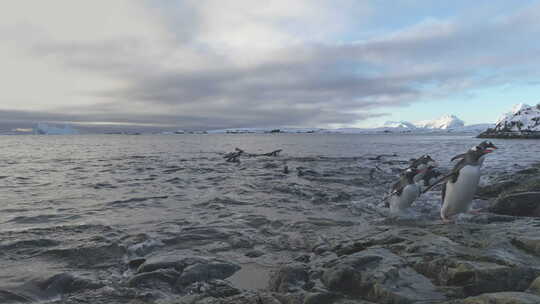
<point x="522" y="117"/>
<point x="446" y="123"/>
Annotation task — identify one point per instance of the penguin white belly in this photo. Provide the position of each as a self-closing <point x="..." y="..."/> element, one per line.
<point x="409" y="194"/>
<point x="459" y="195"/>
<point x="481" y="160"/>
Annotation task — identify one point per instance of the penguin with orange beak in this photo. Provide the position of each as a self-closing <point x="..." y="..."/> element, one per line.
<point x="460" y="188"/>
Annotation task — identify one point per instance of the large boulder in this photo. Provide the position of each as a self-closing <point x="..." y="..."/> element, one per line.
<point x="67" y="283"/>
<point x="202" y="272"/>
<point x="530" y="244"/>
<point x="518" y="204"/>
<point x="535" y="287"/>
<point x="289" y="278"/>
<point x="475" y="277"/>
<point x="376" y="274"/>
<point x="156" y="279"/>
<point x="503" y="298"/>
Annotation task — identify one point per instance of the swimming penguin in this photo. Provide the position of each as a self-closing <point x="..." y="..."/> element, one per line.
<point x="460" y="188"/>
<point x="405" y="191"/>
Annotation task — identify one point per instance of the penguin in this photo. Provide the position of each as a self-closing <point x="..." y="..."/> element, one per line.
<point x="460" y="188"/>
<point x="485" y="145"/>
<point x="422" y="164"/>
<point x="430" y="177"/>
<point x="405" y="191"/>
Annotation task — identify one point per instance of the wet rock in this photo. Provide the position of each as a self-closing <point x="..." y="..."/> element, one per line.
<point x="488" y="218"/>
<point x="221" y="201"/>
<point x="304" y="258"/>
<point x="528" y="171"/>
<point x="169" y="262"/>
<point x="241" y="242"/>
<point x="290" y="298"/>
<point x="221" y="289"/>
<point x="518" y="204"/>
<point x="102" y="255"/>
<point x="379" y="275"/>
<point x="197" y="236"/>
<point x="503" y="298"/>
<point x="255" y="221"/>
<point x="476" y="277"/>
<point x="254" y="253"/>
<point x="289" y="278"/>
<point x="8" y="297"/>
<point x="244" y="298"/>
<point x="135" y="263"/>
<point x="360" y="245"/>
<point x="67" y="283"/>
<point x="493" y="190"/>
<point x="155" y="279"/>
<point x="535" y="286"/>
<point x="530" y="244"/>
<point x="322" y="298"/>
<point x="214" y="288"/>
<point x="202" y="272"/>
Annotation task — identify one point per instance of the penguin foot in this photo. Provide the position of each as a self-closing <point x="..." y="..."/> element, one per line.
<point x="446" y="220"/>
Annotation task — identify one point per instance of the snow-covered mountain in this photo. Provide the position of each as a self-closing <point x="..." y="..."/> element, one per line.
<point x="523" y="121"/>
<point x="444" y="123"/>
<point x="522" y="117"/>
<point x="399" y="124"/>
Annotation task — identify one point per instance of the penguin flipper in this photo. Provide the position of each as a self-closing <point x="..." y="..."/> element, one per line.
<point x="443" y="192"/>
<point x="456" y="170"/>
<point x="454" y="177"/>
<point x="397" y="188"/>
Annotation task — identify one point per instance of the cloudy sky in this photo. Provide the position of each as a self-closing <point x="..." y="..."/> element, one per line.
<point x="200" y="64"/>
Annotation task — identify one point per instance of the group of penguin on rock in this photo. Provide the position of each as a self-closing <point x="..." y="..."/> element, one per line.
<point x="458" y="189"/>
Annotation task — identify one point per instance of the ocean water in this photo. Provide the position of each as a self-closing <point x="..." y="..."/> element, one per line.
<point x="88" y="204"/>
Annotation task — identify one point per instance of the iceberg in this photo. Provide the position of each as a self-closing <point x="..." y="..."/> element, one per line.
<point x="45" y="129"/>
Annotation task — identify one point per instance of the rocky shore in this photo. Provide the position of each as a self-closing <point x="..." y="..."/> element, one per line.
<point x="490" y="133"/>
<point x="364" y="257"/>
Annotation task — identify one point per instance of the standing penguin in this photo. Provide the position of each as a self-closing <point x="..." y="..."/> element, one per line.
<point x="460" y="188"/>
<point x="405" y="191"/>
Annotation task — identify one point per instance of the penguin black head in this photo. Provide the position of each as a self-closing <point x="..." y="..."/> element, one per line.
<point x="422" y="160"/>
<point x="474" y="154"/>
<point x="487" y="145"/>
<point x="409" y="174"/>
<point x="482" y="149"/>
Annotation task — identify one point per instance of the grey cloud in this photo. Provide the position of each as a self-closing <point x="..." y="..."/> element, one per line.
<point x="312" y="84"/>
